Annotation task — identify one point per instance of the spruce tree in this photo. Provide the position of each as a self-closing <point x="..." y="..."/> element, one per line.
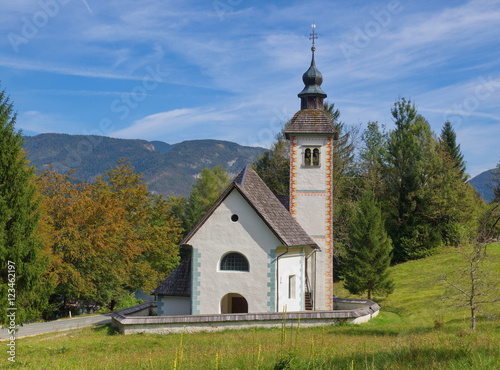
<point x="368" y="255"/>
<point x="411" y="156"/>
<point x="448" y="139"/>
<point x="19" y="215"/>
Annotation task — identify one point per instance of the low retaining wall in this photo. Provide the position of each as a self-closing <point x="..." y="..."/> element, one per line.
<point x="128" y="321"/>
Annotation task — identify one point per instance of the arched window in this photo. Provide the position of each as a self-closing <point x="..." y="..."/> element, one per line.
<point x="316" y="157"/>
<point x="307" y="157"/>
<point x="311" y="157"/>
<point x="234" y="262"/>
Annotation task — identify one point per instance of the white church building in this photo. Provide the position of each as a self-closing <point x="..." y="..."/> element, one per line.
<point x="253" y="252"/>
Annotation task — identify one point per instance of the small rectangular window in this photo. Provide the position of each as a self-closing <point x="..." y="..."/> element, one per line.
<point x="291" y="287"/>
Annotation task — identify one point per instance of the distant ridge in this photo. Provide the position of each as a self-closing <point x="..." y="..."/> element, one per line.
<point x="169" y="169"/>
<point x="485" y="183"/>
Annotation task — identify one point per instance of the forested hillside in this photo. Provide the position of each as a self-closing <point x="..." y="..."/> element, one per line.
<point x="168" y="169"/>
<point x="485" y="183"/>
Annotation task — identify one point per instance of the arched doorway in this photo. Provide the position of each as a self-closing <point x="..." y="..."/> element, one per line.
<point x="233" y="303"/>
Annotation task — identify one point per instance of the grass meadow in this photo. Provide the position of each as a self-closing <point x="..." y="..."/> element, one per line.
<point x="417" y="328"/>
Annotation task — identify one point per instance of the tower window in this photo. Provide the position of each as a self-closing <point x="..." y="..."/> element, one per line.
<point x="315" y="157"/>
<point x="234" y="262"/>
<point x="311" y="157"/>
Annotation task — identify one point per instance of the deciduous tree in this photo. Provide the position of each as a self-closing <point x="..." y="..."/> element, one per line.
<point x="109" y="238"/>
<point x="274" y="166"/>
<point x="208" y="187"/>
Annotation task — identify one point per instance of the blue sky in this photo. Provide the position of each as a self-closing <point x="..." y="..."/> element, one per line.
<point x="231" y="69"/>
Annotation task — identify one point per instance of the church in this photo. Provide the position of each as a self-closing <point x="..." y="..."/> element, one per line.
<point x="253" y="252"/>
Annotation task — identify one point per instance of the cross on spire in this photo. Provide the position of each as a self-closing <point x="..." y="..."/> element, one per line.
<point x="313" y="36"/>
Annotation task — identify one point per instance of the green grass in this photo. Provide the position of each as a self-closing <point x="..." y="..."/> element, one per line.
<point x="416" y="329"/>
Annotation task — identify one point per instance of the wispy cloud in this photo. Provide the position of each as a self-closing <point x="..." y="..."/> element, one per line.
<point x="165" y="124"/>
<point x="228" y="72"/>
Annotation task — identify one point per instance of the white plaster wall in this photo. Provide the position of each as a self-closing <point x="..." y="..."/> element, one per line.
<point x="173" y="306"/>
<point x="249" y="236"/>
<point x="291" y="264"/>
<point x="311" y="178"/>
<point x="311" y="212"/>
<point x="320" y="297"/>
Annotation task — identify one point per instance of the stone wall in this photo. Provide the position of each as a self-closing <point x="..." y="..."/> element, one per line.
<point x="130" y="321"/>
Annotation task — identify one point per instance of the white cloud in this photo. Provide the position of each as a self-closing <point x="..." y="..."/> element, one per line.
<point x="164" y="124"/>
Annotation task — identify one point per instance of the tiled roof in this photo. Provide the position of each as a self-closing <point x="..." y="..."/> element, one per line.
<point x="310" y="121"/>
<point x="178" y="283"/>
<point x="267" y="206"/>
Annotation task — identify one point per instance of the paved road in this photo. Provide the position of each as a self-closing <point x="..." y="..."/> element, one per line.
<point x="58" y="325"/>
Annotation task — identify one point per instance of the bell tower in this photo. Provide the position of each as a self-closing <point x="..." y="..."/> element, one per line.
<point x="311" y="134"/>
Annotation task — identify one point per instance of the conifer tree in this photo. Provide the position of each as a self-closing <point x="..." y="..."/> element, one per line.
<point x="368" y="255"/>
<point x="19" y="216"/>
<point x="411" y="155"/>
<point x="372" y="156"/>
<point x="448" y="139"/>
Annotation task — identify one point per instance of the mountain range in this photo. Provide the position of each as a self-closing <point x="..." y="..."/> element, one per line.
<point x="169" y="169"/>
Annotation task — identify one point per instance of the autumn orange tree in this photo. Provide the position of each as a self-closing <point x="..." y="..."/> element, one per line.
<point x="107" y="238"/>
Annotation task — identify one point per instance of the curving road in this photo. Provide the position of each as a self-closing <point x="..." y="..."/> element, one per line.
<point x="58" y="325"/>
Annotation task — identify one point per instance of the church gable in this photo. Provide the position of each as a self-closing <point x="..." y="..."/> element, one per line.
<point x="234" y="224"/>
<point x="266" y="205"/>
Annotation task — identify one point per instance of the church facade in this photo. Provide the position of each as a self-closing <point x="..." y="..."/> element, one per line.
<point x="253" y="252"/>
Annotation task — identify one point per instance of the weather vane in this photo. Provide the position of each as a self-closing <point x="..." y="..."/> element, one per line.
<point x="313" y="36"/>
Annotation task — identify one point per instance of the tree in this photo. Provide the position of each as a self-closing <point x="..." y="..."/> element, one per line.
<point x="109" y="238"/>
<point x="20" y="248"/>
<point x="411" y="152"/>
<point x="496" y="189"/>
<point x="453" y="204"/>
<point x="373" y="157"/>
<point x="448" y="139"/>
<point x="345" y="185"/>
<point x="208" y="187"/>
<point x="473" y="285"/>
<point x="368" y="255"/>
<point x="274" y="166"/>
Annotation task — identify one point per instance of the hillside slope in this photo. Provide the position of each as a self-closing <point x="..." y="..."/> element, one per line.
<point x="167" y="168"/>
<point x="420" y="296"/>
<point x="484" y="184"/>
